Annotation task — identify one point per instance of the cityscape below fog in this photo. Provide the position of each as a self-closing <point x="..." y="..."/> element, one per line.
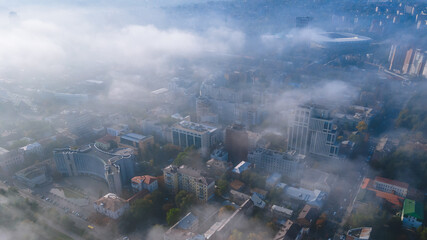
<point x="213" y="120"/>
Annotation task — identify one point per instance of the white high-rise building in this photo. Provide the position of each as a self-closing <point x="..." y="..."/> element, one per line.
<point x="312" y="132"/>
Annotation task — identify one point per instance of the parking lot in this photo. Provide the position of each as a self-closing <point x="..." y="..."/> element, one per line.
<point x="73" y="196"/>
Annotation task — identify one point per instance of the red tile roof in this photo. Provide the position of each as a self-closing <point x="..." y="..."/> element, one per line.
<point x="389" y="197"/>
<point x="392" y="182"/>
<point x="147" y="179"/>
<point x="365" y="183"/>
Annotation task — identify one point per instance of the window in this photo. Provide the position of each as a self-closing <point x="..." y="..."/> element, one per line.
<point x="198" y="142"/>
<point x="190" y="140"/>
<point x="182" y="139"/>
<point x="175" y="138"/>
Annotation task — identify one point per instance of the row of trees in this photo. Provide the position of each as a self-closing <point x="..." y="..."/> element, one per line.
<point x="155" y="208"/>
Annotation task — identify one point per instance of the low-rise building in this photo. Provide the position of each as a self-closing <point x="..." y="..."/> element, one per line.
<point x="307" y="216"/>
<point x="9" y="160"/>
<point x="111" y="205"/>
<point x="258" y="202"/>
<point x="315" y="179"/>
<point x="238" y="197"/>
<point x="260" y="192"/>
<point x="289" y="231"/>
<point x="412" y="214"/>
<point x="135" y="141"/>
<point x="392" y="198"/>
<point x="34" y="175"/>
<point x="190" y="180"/>
<point x="314" y="198"/>
<point x="117" y="130"/>
<point x="288" y="163"/>
<point x="279" y="211"/>
<point x="391" y="186"/>
<point x="362" y="233"/>
<point x="218" y="166"/>
<point x="184" y="229"/>
<point x="384" y="147"/>
<point x="237" y="185"/>
<point x="220" y="154"/>
<point x="241" y="167"/>
<point x="144" y="182"/>
<point x="32" y="148"/>
<point x="106" y="142"/>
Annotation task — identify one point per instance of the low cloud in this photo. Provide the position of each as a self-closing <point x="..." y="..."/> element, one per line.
<point x="77" y="43"/>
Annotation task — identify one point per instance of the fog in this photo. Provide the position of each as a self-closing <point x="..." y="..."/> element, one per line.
<point x="70" y="70"/>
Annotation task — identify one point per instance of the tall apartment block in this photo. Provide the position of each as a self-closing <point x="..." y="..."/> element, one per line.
<point x="312" y="132"/>
<point x="236" y="143"/>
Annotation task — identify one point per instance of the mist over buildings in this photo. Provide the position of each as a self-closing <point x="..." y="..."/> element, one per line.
<point x="328" y="94"/>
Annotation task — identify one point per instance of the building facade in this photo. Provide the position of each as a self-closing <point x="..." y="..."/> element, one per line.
<point x="190" y="180"/>
<point x="391" y="186"/>
<point x="186" y="134"/>
<point x="412" y="214"/>
<point x="236" y="143"/>
<point x="9" y="160"/>
<point x="312" y="132"/>
<point x="272" y="161"/>
<point x="144" y="182"/>
<point x="111" y="205"/>
<point x="115" y="167"/>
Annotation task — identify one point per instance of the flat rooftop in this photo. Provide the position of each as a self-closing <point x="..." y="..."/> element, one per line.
<point x="194" y="127"/>
<point x="134" y="137"/>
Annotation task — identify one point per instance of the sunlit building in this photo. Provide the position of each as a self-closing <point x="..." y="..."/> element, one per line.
<point x="312" y="132"/>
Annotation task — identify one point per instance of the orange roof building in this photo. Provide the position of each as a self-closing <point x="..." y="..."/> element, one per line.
<point x="383" y="193"/>
<point x="144" y="182"/>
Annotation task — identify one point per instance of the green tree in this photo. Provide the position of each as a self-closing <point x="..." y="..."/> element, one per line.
<point x="173" y="216"/>
<point x="222" y="185"/>
<point x="184" y="199"/>
<point x="253" y="179"/>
